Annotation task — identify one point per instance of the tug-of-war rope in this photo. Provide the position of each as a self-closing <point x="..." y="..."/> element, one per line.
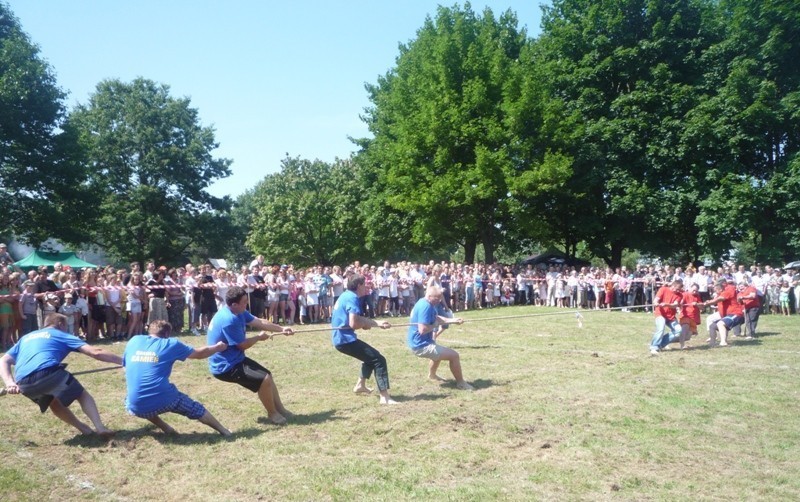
<point x="578" y="316"/>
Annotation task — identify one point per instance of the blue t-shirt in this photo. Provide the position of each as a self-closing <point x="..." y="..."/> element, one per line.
<point x="425" y="313"/>
<point x="148" y="363"/>
<point x="347" y="303"/>
<point x="232" y="329"/>
<point x="42" y="349"/>
<point x="322" y="282"/>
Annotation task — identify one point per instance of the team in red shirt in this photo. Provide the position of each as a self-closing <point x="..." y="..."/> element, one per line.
<point x="734" y="308"/>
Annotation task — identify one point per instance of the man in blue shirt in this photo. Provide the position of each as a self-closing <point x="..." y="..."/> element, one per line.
<point x="229" y="325"/>
<point x="425" y="320"/>
<point x="40" y="376"/>
<point x="148" y="361"/>
<point x="347" y="317"/>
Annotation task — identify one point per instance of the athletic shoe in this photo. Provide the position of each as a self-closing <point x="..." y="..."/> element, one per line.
<point x="464" y="386"/>
<point x="653" y="352"/>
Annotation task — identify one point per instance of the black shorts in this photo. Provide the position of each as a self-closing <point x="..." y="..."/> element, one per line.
<point x="55" y="382"/>
<point x="99" y="313"/>
<point x="208" y="307"/>
<point x="248" y="373"/>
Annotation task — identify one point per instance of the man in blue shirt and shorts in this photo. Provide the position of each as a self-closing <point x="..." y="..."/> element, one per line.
<point x="425" y="320"/>
<point x="40" y="376"/>
<point x="229" y="326"/>
<point x="148" y="361"/>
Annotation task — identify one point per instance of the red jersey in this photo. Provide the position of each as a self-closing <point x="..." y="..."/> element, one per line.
<point x="729" y="295"/>
<point x="666" y="295"/>
<point x="750" y="303"/>
<point x="688" y="309"/>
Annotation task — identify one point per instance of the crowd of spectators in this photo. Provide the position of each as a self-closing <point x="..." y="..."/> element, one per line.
<point x="115" y="304"/>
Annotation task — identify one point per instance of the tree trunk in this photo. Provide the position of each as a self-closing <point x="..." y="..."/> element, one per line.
<point x="488" y="245"/>
<point x="469" y="250"/>
<point x="616" y="254"/>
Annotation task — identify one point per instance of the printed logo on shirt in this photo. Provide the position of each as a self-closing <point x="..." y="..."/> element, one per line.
<point x="144" y="356"/>
<point x="35" y="336"/>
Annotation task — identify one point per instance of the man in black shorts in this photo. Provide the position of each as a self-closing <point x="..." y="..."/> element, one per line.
<point x="40" y="376"/>
<point x="229" y="325"/>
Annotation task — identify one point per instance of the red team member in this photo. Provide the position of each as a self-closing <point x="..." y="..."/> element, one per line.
<point x="667" y="300"/>
<point x="748" y="296"/>
<point x="690" y="314"/>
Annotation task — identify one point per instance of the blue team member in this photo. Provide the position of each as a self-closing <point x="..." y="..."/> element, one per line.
<point x="229" y="326"/>
<point x="347" y="317"/>
<point x="148" y="363"/>
<point x="40" y="376"/>
<point x="425" y="319"/>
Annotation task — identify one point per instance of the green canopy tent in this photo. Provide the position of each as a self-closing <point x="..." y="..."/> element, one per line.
<point x="38" y="258"/>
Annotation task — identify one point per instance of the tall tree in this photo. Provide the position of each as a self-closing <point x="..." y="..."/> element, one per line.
<point x="627" y="72"/>
<point x="308" y="213"/>
<point x="151" y="162"/>
<point x="440" y="144"/>
<point x="750" y="127"/>
<point x="40" y="182"/>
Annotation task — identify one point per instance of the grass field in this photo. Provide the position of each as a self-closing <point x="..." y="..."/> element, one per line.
<point x="559" y="413"/>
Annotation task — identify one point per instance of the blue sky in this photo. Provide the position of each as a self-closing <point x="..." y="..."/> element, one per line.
<point x="271" y="77"/>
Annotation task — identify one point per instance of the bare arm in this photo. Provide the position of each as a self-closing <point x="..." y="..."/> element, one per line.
<point x="265" y="325"/>
<point x="360" y="322"/>
<point x="424" y="329"/>
<point x="100" y="354"/>
<point x="208" y="350"/>
<point x="449" y="320"/>
<point x="5" y="373"/>
<point x="249" y="342"/>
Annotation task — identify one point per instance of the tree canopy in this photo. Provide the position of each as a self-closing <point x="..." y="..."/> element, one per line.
<point x="150" y="163"/>
<point x="307" y="213"/>
<point x="664" y="127"/>
<point x="40" y="184"/>
<point x="440" y="146"/>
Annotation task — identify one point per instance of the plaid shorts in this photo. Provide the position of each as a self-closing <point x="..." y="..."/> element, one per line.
<point x="184" y="405"/>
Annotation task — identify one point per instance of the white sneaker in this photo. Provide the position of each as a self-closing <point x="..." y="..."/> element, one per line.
<point x="653" y="352"/>
<point x="464" y="386"/>
<point x="195" y="332"/>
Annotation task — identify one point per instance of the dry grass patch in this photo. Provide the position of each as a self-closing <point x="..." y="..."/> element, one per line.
<point x="558" y="413"/>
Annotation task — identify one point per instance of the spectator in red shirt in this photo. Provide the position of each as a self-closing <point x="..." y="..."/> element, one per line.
<point x="748" y="297"/>
<point x="666" y="301"/>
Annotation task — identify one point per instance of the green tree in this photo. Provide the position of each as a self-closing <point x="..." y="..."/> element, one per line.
<point x="625" y="74"/>
<point x="307" y="214"/>
<point x="440" y="150"/>
<point x="40" y="181"/>
<point x="151" y="161"/>
<point x="750" y="129"/>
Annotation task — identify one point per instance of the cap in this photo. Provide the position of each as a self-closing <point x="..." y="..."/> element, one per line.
<point x="29" y="283"/>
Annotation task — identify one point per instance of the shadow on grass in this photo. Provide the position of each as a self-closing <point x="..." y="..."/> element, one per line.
<point x="420" y="397"/>
<point x="211" y="437"/>
<point x="128" y="438"/>
<point x="478" y="384"/>
<point x="307" y="419"/>
<point x="747" y="343"/>
<point x="736" y="342"/>
<point x="760" y="334"/>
